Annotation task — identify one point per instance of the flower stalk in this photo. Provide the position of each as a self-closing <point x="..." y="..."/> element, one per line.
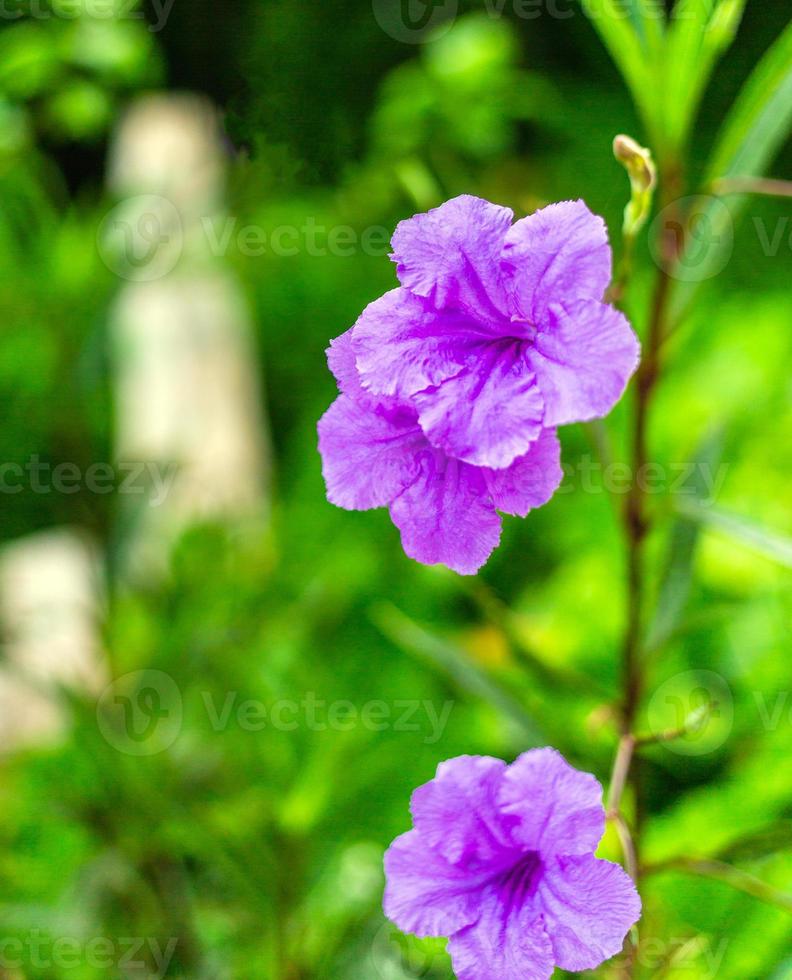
<point x="637" y="520"/>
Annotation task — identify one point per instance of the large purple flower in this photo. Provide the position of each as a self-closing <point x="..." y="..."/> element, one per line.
<point x="501" y="860"/>
<point x="498" y="330"/>
<point x="374" y="454"/>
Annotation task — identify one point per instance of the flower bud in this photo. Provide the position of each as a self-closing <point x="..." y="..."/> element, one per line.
<point x="640" y="167"/>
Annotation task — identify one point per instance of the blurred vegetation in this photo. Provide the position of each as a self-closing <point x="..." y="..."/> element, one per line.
<point x="261" y="850"/>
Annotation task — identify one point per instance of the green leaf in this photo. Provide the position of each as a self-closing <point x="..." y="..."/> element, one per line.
<point x="688" y="23"/>
<point x="650" y="21"/>
<point x="760" y="119"/>
<point x="411" y="637"/>
<point x="735" y="878"/>
<point x="678" y="574"/>
<point x="764" y="842"/>
<point x="700" y="32"/>
<point x="755" y="128"/>
<point x="630" y="53"/>
<point x="768" y="543"/>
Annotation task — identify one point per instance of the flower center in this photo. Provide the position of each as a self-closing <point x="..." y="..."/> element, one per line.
<point x="527" y="330"/>
<point x="522" y="879"/>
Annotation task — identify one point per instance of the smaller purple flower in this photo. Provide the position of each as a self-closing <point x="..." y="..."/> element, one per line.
<point x="501" y="860"/>
<point x="375" y="454"/>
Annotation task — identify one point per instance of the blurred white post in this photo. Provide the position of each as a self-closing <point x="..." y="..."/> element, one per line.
<point x="188" y="400"/>
<point x="50" y="599"/>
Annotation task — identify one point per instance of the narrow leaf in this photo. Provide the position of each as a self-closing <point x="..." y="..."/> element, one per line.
<point x="411" y="637"/>
<point x="738" y="879"/>
<point x="619" y="35"/>
<point x="678" y="575"/>
<point x="764" y="842"/>
<point x="755" y="128"/>
<point x="700" y="32"/>
<point x="650" y="21"/>
<point x="771" y="544"/>
<point x="760" y="119"/>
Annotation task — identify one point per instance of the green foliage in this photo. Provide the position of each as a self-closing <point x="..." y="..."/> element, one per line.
<point x="258" y="846"/>
<point x="65" y="71"/>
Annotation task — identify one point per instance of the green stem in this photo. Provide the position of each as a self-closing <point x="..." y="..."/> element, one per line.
<point x="636" y="527"/>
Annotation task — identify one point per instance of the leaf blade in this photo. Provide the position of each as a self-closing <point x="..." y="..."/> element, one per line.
<point x="624" y="45"/>
<point x="771" y="544"/>
<point x="760" y="118"/>
<point x="752" y="133"/>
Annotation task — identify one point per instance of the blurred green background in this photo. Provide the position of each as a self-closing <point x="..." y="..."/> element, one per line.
<point x="236" y="841"/>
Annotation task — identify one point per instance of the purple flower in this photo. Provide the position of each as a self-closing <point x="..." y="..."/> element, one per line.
<point x="498" y="330"/>
<point x="374" y="454"/>
<point x="501" y="860"/>
<point x="452" y="385"/>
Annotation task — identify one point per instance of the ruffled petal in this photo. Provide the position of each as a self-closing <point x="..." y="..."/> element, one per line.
<point x="583" y="360"/>
<point x="424" y="894"/>
<point x="490" y="413"/>
<point x="557" y="255"/>
<point x="450" y="256"/>
<point x="457" y="813"/>
<point x="507" y="942"/>
<point x="531" y="480"/>
<point x="368" y="455"/>
<point x="589" y="906"/>
<point x="402" y="345"/>
<point x="445" y="516"/>
<point x="560" y="808"/>
<point x="341" y="361"/>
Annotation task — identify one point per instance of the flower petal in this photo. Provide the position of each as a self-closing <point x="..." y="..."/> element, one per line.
<point x="489" y="413"/>
<point x="583" y="360"/>
<point x="403" y="345"/>
<point x="507" y="942"/>
<point x="341" y="361"/>
<point x="588" y="905"/>
<point x="450" y="255"/>
<point x="425" y="894"/>
<point x="531" y="480"/>
<point x="445" y="516"/>
<point x="560" y="808"/>
<point x="369" y="455"/>
<point x="457" y="814"/>
<point x="558" y="254"/>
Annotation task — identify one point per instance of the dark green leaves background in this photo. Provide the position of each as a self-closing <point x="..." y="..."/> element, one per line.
<point x="261" y="851"/>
